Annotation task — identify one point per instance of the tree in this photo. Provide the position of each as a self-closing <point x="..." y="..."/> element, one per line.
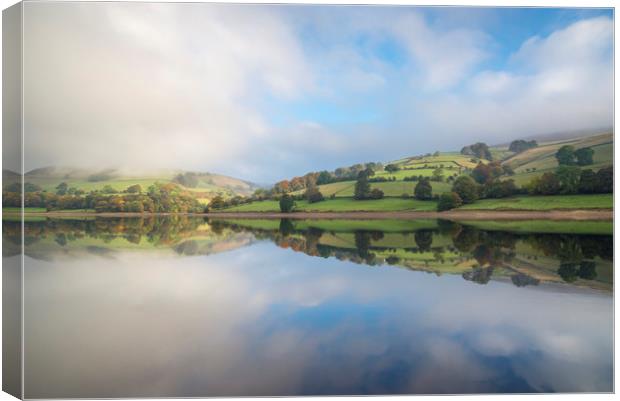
<point x="587" y="270"/>
<point x="324" y="178"/>
<point x="313" y="195"/>
<point x="566" y="155"/>
<point x="508" y="170"/>
<point x="482" y="173"/>
<point x="521" y="145"/>
<point x="466" y="188"/>
<point x="547" y="184"/>
<point x="108" y="190"/>
<point x="605" y="180"/>
<point x="287" y="203"/>
<point x="423" y="190"/>
<point x="438" y="175"/>
<point x="500" y="189"/>
<point x="217" y="202"/>
<point x="585" y="156"/>
<point x="568" y="272"/>
<point x="568" y="177"/>
<point x="61" y="189"/>
<point x="587" y="182"/>
<point x="392" y="168"/>
<point x="134" y="189"/>
<point x="28" y="187"/>
<point x="362" y="187"/>
<point x="480" y="150"/>
<point x="449" y="200"/>
<point x="424" y="240"/>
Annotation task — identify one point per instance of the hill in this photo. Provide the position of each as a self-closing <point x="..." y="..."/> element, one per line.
<point x="538" y="160"/>
<point x="204" y="185"/>
<point x="526" y="165"/>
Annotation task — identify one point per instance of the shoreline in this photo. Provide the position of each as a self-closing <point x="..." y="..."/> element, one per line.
<point x="574" y="215"/>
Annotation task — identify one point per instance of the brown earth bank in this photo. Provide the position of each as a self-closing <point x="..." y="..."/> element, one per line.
<point x="599" y="214"/>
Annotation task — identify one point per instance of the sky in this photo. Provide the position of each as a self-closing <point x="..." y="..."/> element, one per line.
<point x="266" y="92"/>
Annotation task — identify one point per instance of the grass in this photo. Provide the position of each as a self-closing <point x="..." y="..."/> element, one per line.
<point x="346" y="189"/>
<point x="342" y="225"/>
<point x="342" y="205"/>
<point x="44" y="210"/>
<point x="597" y="201"/>
<point x="26" y="210"/>
<point x="543" y="156"/>
<point x="546" y="226"/>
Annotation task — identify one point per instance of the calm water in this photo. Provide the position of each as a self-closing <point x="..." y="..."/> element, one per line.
<point x="184" y="307"/>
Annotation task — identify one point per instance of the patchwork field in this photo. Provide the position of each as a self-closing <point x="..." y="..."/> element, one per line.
<point x="204" y="185"/>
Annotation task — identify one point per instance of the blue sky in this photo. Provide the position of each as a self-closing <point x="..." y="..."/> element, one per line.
<point x="268" y="92"/>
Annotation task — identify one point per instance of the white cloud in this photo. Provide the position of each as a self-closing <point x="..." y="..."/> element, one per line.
<point x="201" y="86"/>
<point x="563" y="82"/>
<point x="153" y="84"/>
<point x="445" y="56"/>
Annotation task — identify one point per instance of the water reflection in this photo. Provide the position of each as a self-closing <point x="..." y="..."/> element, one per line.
<point x="187" y="307"/>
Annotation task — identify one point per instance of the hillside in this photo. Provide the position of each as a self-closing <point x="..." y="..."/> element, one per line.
<point x="527" y="165"/>
<point x="204" y="185"/>
<point x="536" y="161"/>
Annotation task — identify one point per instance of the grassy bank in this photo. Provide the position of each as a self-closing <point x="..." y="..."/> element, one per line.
<point x="596" y="201"/>
<point x="546" y="226"/>
<point x="533" y="203"/>
<point x="342" y="205"/>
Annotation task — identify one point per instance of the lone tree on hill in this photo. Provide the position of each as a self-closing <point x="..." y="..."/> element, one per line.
<point x="521" y="145"/>
<point x="479" y="149"/>
<point x="392" y="168"/>
<point x="362" y="187"/>
<point x="287" y="203"/>
<point x="423" y="190"/>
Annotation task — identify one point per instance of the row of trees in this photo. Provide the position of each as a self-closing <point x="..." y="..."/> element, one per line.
<point x="521" y="145"/>
<point x="323" y="177"/>
<point x="479" y="149"/>
<point x="572" y="180"/>
<point x="568" y="156"/>
<point x="159" y="198"/>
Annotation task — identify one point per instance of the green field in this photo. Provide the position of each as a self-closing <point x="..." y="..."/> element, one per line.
<point x="26" y="210"/>
<point x="542" y="158"/>
<point x="341" y="205"/>
<point x="43" y="210"/>
<point x="597" y="201"/>
<point x="546" y="226"/>
<point x="341" y="225"/>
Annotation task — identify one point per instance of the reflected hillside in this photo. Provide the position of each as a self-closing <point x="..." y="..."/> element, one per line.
<point x="444" y="247"/>
<point x="50" y="238"/>
<point x="478" y="252"/>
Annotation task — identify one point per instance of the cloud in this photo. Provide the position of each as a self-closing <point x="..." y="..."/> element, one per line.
<point x="269" y="92"/>
<point x="153" y="84"/>
<point x="445" y="56"/>
<point x="563" y="82"/>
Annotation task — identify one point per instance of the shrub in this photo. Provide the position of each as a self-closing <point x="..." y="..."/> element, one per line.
<point x="449" y="200"/>
<point x="287" y="203"/>
<point x="466" y="188"/>
<point x="376" y="193"/>
<point x="423" y="190"/>
<point x="313" y="195"/>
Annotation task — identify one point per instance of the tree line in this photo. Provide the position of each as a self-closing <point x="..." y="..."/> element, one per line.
<point x="158" y="198"/>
